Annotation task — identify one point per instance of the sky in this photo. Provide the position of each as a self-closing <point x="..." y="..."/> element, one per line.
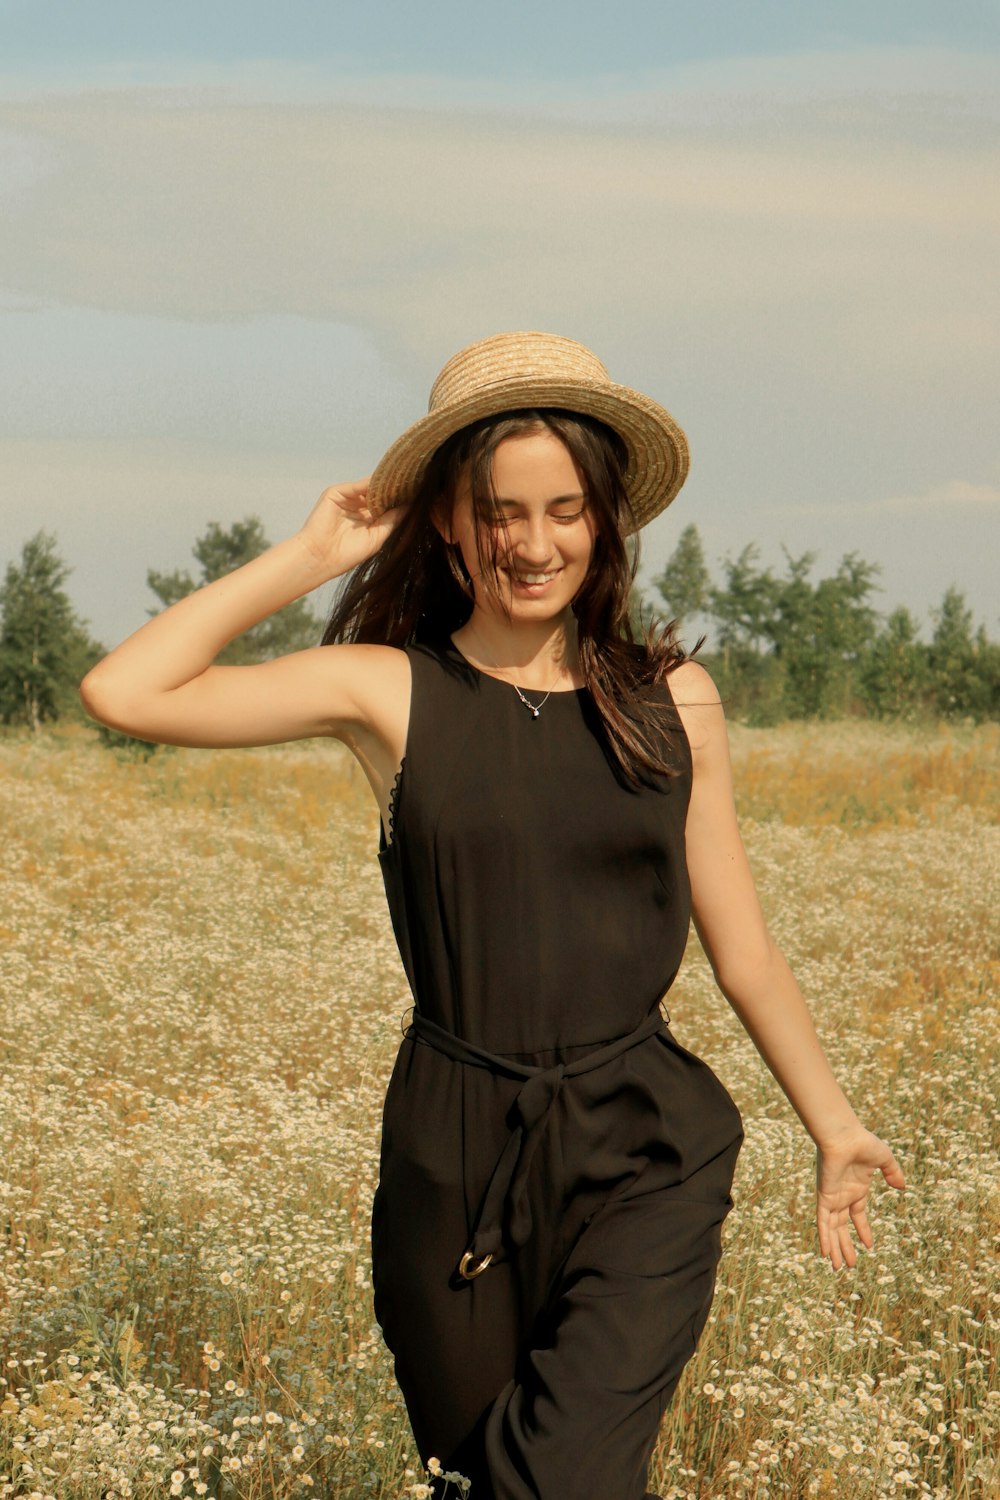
<point x="237" y="243"/>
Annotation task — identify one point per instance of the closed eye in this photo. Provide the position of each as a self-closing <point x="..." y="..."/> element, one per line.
<point x="564" y="518"/>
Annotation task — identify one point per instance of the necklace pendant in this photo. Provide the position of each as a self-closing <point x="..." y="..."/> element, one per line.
<point x="534" y="713"/>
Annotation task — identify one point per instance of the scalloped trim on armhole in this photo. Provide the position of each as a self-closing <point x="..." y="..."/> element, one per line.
<point x="389" y="835"/>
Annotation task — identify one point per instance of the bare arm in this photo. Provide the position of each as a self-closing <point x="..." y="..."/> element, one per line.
<point x="756" y="980"/>
<point x="161" y="683"/>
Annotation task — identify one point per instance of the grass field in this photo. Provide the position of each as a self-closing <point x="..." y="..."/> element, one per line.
<point x="201" y="1002"/>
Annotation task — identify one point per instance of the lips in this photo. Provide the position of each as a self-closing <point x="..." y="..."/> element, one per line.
<point x="532" y="580"/>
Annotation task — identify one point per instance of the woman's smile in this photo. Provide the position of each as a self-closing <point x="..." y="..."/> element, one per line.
<point x="532" y="585"/>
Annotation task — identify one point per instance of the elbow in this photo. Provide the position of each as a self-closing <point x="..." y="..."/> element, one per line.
<point x="103" y="703"/>
<point x="747" y="973"/>
<point x="90" y="695"/>
<point x="94" y="696"/>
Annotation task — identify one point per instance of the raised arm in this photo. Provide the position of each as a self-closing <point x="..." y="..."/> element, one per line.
<point x="756" y="980"/>
<point x="161" y="683"/>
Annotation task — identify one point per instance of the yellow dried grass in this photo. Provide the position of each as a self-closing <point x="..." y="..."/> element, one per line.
<point x="202" y="1001"/>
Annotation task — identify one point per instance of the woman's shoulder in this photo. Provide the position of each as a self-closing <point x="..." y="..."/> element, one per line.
<point x="691" y="686"/>
<point x="698" y="704"/>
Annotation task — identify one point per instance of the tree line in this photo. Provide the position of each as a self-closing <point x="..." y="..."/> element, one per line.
<point x="788" y="646"/>
<point x="780" y="646"/>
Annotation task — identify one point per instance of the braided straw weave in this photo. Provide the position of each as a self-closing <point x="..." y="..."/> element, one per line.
<point x="515" y="370"/>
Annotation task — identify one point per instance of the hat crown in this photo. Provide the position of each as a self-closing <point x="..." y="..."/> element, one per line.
<point x="528" y="356"/>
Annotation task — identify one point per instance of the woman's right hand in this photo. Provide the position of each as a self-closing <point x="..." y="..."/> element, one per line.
<point x="341" y="532"/>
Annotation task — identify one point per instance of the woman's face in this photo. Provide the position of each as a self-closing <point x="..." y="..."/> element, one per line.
<point x="545" y="550"/>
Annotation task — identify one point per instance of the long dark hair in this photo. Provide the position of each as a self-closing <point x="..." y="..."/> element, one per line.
<point x="416" y="589"/>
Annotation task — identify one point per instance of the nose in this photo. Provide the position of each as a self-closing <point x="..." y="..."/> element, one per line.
<point x="533" y="543"/>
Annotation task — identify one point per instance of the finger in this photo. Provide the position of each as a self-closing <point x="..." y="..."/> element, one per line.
<point x="823" y="1229"/>
<point x="848" y="1253"/>
<point x="351" y="496"/>
<point x="893" y="1174"/>
<point x="391" y="518"/>
<point x="355" y="487"/>
<point x="860" y="1217"/>
<point x="841" y="1241"/>
<point x="829" y="1237"/>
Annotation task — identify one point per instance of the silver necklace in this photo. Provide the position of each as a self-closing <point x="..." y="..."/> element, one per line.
<point x="534" y="709"/>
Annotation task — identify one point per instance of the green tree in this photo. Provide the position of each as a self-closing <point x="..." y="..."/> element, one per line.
<point x="218" y="552"/>
<point x="820" y="633"/>
<point x="893" y="675"/>
<point x="988" y="667"/>
<point x="743" y="607"/>
<point x="44" y="646"/>
<point x="962" y="666"/>
<point x="684" y="583"/>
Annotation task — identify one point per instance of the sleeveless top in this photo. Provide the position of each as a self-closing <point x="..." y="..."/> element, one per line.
<point x="539" y="902"/>
<point x="541" y="906"/>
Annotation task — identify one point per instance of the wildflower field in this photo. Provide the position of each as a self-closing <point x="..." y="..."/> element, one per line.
<point x="201" y="1002"/>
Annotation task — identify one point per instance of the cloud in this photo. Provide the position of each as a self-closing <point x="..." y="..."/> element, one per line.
<point x="429" y="228"/>
<point x="953" y="496"/>
<point x="957" y="494"/>
<point x="827" y="85"/>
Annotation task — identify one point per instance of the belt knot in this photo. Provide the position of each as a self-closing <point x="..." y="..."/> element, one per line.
<point x="505" y="1212"/>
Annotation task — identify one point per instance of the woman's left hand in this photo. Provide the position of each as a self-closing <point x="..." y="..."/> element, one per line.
<point x="844" y="1170"/>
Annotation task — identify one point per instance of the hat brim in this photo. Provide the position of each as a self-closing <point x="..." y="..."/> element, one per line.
<point x="658" y="458"/>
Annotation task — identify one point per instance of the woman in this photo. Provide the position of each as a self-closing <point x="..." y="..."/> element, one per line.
<point x="555" y="803"/>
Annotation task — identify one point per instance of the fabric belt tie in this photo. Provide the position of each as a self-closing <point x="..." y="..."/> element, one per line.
<point x="505" y="1212"/>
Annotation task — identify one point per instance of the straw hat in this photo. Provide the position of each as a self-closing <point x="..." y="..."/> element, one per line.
<point x="515" y="370"/>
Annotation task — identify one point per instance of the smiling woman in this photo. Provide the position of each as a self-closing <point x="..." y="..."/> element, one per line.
<point x="556" y="804"/>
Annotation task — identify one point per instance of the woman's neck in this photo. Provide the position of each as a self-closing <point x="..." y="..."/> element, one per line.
<point x="538" y="654"/>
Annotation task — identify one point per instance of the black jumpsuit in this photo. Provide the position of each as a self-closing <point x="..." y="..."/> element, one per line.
<point x="541" y="908"/>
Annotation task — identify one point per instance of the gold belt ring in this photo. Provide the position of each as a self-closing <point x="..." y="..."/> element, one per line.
<point x="470" y="1269"/>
